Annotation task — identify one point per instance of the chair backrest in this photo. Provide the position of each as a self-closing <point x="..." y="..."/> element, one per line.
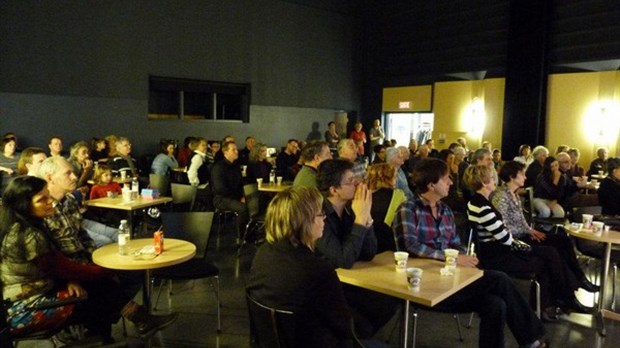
<point x="578" y="212"/>
<point x="527" y="202"/>
<point x="183" y="194"/>
<point x="160" y="182"/>
<point x="193" y="227"/>
<point x="252" y="199"/>
<point x="270" y="327"/>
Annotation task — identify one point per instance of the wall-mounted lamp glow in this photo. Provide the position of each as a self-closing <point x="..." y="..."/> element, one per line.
<point x="477" y="119"/>
<point x="602" y="123"/>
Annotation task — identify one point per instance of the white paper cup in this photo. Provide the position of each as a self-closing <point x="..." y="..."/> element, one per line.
<point x="400" y="260"/>
<point x="597" y="226"/>
<point x="414" y="277"/>
<point x="451" y="255"/>
<point x="587" y="220"/>
<point x="259" y="181"/>
<point x="279" y="180"/>
<point x="606" y="228"/>
<point x="127" y="195"/>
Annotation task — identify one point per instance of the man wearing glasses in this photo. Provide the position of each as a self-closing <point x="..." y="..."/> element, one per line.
<point x="348" y="236"/>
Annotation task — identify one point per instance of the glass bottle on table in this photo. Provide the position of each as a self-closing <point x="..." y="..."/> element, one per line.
<point x="124" y="235"/>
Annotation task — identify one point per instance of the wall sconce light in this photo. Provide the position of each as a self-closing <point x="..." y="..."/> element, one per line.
<point x="477" y="119"/>
<point x="603" y="122"/>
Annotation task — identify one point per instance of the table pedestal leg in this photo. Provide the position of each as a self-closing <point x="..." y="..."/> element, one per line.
<point x="146" y="290"/>
<point x="404" y="339"/>
<point x="601" y="298"/>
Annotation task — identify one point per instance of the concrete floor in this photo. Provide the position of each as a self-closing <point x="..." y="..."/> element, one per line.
<point x="196" y="325"/>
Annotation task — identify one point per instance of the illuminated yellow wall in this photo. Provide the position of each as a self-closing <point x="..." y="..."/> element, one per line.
<point x="418" y="96"/>
<point x="574" y="112"/>
<point x="452" y="105"/>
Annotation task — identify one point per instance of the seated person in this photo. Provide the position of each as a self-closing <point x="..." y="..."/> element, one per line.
<point x="525" y="155"/>
<point x="164" y="161"/>
<point x="30" y="160"/>
<point x="258" y="166"/>
<point x="549" y="190"/>
<point x="600" y="163"/>
<point x="379" y="151"/>
<point x="198" y="170"/>
<point x="185" y="153"/>
<point x="424" y="227"/>
<point x="8" y="162"/>
<point x="123" y="162"/>
<point x="539" y="155"/>
<point x="227" y="184"/>
<point x="34" y="272"/>
<point x="98" y="149"/>
<point x="609" y="191"/>
<point x="312" y="155"/>
<point x="83" y="168"/>
<point x="104" y="183"/>
<point x="347" y="150"/>
<point x="244" y="154"/>
<point x="575" y="168"/>
<point x="393" y="158"/>
<point x="507" y="202"/>
<point x="499" y="250"/>
<point x="311" y="289"/>
<point x="70" y="234"/>
<point x="348" y="237"/>
<point x="213" y="151"/>
<point x="382" y="183"/>
<point x="287" y="159"/>
<point x="55" y="146"/>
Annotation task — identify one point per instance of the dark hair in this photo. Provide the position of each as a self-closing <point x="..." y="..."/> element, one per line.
<point x="546" y="172"/>
<point x="377" y="148"/>
<point x="443" y="154"/>
<point x="4" y="142"/>
<point x="16" y="201"/>
<point x="428" y="171"/>
<point x="510" y="170"/>
<point x="612" y="163"/>
<point x="163" y="146"/>
<point x="330" y="173"/>
<point x="330" y="123"/>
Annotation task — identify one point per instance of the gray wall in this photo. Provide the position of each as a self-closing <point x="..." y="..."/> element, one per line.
<point x="80" y="68"/>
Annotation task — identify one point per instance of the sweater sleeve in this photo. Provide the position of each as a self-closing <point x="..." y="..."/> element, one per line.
<point x="57" y="265"/>
<point x="489" y="226"/>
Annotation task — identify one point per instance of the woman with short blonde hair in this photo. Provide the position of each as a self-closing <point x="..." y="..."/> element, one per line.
<point x="286" y="273"/>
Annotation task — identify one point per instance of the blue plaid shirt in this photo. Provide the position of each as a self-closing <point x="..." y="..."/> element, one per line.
<point x="420" y="234"/>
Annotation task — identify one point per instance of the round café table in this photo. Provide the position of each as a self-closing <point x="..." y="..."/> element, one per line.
<point x="608" y="238"/>
<point x="175" y="251"/>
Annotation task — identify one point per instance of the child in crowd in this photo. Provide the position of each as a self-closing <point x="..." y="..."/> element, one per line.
<point x="104" y="183"/>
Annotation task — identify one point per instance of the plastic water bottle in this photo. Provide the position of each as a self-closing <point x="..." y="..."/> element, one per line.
<point x="272" y="177"/>
<point x="135" y="185"/>
<point x="124" y="235"/>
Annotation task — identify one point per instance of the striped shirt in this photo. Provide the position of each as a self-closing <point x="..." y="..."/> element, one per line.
<point x="487" y="221"/>
<point x="421" y="234"/>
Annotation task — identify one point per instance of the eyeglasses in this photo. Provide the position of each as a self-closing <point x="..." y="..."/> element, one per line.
<point x="351" y="181"/>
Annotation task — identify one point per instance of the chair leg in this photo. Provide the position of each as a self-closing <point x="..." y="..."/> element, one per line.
<point x="244" y="236"/>
<point x="415" y="327"/>
<point x="471" y="320"/>
<point x="161" y="284"/>
<point x="458" y="326"/>
<point x="537" y="287"/>
<point x="613" y="288"/>
<point x="215" y="282"/>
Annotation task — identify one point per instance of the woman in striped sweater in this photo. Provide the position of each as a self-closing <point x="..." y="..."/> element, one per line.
<point x="499" y="250"/>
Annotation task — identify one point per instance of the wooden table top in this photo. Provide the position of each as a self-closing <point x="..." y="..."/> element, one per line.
<point x="610" y="236"/>
<point x="175" y="252"/>
<point x="120" y="204"/>
<point x="267" y="187"/>
<point x="380" y="275"/>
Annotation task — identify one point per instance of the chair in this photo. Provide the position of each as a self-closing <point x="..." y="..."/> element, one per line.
<point x="194" y="227"/>
<point x="257" y="219"/>
<point x="275" y="328"/>
<point x="530" y="212"/>
<point x="7" y="339"/>
<point x="183" y="194"/>
<point x="160" y="182"/>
